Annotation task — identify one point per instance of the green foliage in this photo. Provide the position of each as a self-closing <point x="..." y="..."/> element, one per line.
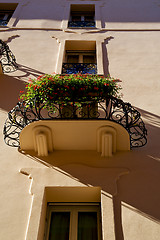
<point x="64" y="89"/>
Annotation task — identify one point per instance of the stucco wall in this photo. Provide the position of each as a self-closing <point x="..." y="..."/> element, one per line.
<point x="129" y="38"/>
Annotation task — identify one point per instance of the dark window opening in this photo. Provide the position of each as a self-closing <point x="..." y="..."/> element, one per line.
<point x="80" y="57"/>
<point x="82" y="15"/>
<point x="73" y="222"/>
<point x="6" y="12"/>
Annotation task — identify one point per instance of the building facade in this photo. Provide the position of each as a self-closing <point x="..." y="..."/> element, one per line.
<point x="116" y="197"/>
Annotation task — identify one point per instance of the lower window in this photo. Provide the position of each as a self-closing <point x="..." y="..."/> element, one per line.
<point x="73" y="222"/>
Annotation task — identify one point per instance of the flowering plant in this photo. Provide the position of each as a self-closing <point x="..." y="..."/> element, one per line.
<point x="63" y="89"/>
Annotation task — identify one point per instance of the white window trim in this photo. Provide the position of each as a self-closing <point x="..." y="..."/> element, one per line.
<point x="42" y="192"/>
<point x="61" y="56"/>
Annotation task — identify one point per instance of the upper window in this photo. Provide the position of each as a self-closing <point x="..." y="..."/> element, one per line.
<point x="80" y="57"/>
<point x="73" y="222"/>
<point x="6" y="12"/>
<point x="82" y="15"/>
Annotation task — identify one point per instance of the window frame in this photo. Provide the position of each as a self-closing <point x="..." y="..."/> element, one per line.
<point x="79" y="48"/>
<point x="62" y="51"/>
<point x="81" y="55"/>
<point x="67" y="11"/>
<point x="82" y="14"/>
<point x="73" y="208"/>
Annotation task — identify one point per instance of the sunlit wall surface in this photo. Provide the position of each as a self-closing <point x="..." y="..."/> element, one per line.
<point x="122" y="39"/>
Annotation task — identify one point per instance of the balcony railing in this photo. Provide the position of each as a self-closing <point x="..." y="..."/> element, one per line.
<point x="79" y="24"/>
<point x="84" y="68"/>
<point x="111" y="109"/>
<point x="7" y="59"/>
<point x="3" y="22"/>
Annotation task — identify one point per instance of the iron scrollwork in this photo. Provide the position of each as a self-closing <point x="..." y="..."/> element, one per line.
<point x="83" y="68"/>
<point x="7" y="59"/>
<point x="111" y="109"/>
<point x="80" y="24"/>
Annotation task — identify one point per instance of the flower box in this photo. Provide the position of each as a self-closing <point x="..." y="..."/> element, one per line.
<point x="69" y="89"/>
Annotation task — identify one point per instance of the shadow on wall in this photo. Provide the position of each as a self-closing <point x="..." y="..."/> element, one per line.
<point x="114" y="11"/>
<point x="26" y="72"/>
<point x="10" y="86"/>
<point x="105" y="56"/>
<point x="137" y="173"/>
<point x="139" y="169"/>
<point x="131" y="12"/>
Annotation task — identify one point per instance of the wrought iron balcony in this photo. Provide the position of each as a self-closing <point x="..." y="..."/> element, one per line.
<point x="111" y="109"/>
<point x="7" y="59"/>
<point x="83" y="68"/>
<point x="3" y="22"/>
<point x="79" y="24"/>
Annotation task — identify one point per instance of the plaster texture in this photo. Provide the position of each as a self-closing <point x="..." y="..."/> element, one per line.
<point x="127" y="37"/>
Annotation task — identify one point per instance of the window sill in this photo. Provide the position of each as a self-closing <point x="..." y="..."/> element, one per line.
<point x="1" y="26"/>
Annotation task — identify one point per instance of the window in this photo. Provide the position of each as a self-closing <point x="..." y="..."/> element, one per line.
<point x="83" y="56"/>
<point x="73" y="222"/>
<point x="82" y="15"/>
<point x="80" y="57"/>
<point x="6" y="12"/>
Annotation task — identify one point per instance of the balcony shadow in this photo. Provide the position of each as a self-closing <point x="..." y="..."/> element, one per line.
<point x="118" y="218"/>
<point x="137" y="171"/>
<point x="27" y="72"/>
<point x="10" y="86"/>
<point x="105" y="56"/>
<point x="9" y="91"/>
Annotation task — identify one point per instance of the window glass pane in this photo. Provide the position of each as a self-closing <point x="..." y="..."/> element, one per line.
<point x="72" y="59"/>
<point x="88" y="59"/>
<point x="89" y="18"/>
<point x="59" y="226"/>
<point x="76" y="18"/>
<point x="87" y="226"/>
<point x="2" y="16"/>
